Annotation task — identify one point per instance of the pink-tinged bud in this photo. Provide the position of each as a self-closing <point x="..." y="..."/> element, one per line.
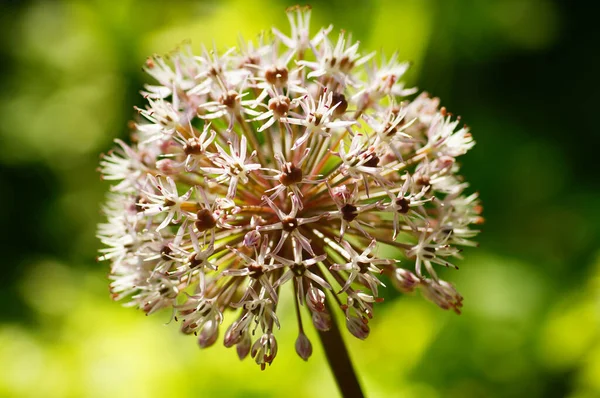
<point x="264" y="350"/>
<point x="443" y="294"/>
<point x="315" y="299"/>
<point x="405" y="281"/>
<point x="243" y="347"/>
<point x="358" y="327"/>
<point x="168" y="146"/>
<point x="303" y="346"/>
<point x="167" y="167"/>
<point x="256" y="221"/>
<point x="209" y="333"/>
<point x="341" y="193"/>
<point x="226" y="206"/>
<point x="443" y="163"/>
<point x="322" y="321"/>
<point x="233" y="335"/>
<point x="252" y="239"/>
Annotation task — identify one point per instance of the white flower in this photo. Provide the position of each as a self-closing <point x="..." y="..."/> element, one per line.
<point x="164" y="198"/>
<point x="403" y="203"/>
<point x="319" y="118"/>
<point x="278" y="167"/>
<point x="361" y="266"/>
<point x="383" y="81"/>
<point x="298" y="42"/>
<point x="443" y="137"/>
<point x="232" y="166"/>
<point x="195" y="147"/>
<point x="289" y="225"/>
<point x="339" y="61"/>
<point x="298" y="268"/>
<point x="124" y="165"/>
<point x="257" y="269"/>
<point x="442" y="293"/>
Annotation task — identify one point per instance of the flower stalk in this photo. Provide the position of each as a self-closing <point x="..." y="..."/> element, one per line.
<point x="339" y="362"/>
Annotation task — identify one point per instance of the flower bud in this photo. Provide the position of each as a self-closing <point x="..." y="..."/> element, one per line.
<point x="252" y="239"/>
<point x="209" y="333"/>
<point x="233" y="334"/>
<point x="243" y="346"/>
<point x="405" y="281"/>
<point x="315" y="299"/>
<point x="358" y="327"/>
<point x="322" y="321"/>
<point x="443" y="294"/>
<point x="168" y="146"/>
<point x="303" y="346"/>
<point x="264" y="350"/>
<point x="167" y="166"/>
<point x="341" y="193"/>
<point x="443" y="163"/>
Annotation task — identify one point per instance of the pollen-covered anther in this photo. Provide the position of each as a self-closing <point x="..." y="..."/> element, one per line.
<point x="150" y="63"/>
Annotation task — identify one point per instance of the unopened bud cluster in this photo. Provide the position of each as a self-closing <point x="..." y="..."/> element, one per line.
<point x="285" y="164"/>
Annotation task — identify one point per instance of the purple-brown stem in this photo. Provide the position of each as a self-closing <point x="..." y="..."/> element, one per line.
<point x="339" y="360"/>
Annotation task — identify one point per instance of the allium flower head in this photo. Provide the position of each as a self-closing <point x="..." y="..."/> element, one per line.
<point x="287" y="164"/>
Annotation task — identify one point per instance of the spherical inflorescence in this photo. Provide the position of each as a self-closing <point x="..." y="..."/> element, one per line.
<point x="288" y="163"/>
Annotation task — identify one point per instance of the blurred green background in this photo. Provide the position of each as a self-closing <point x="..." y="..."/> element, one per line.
<point x="522" y="73"/>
